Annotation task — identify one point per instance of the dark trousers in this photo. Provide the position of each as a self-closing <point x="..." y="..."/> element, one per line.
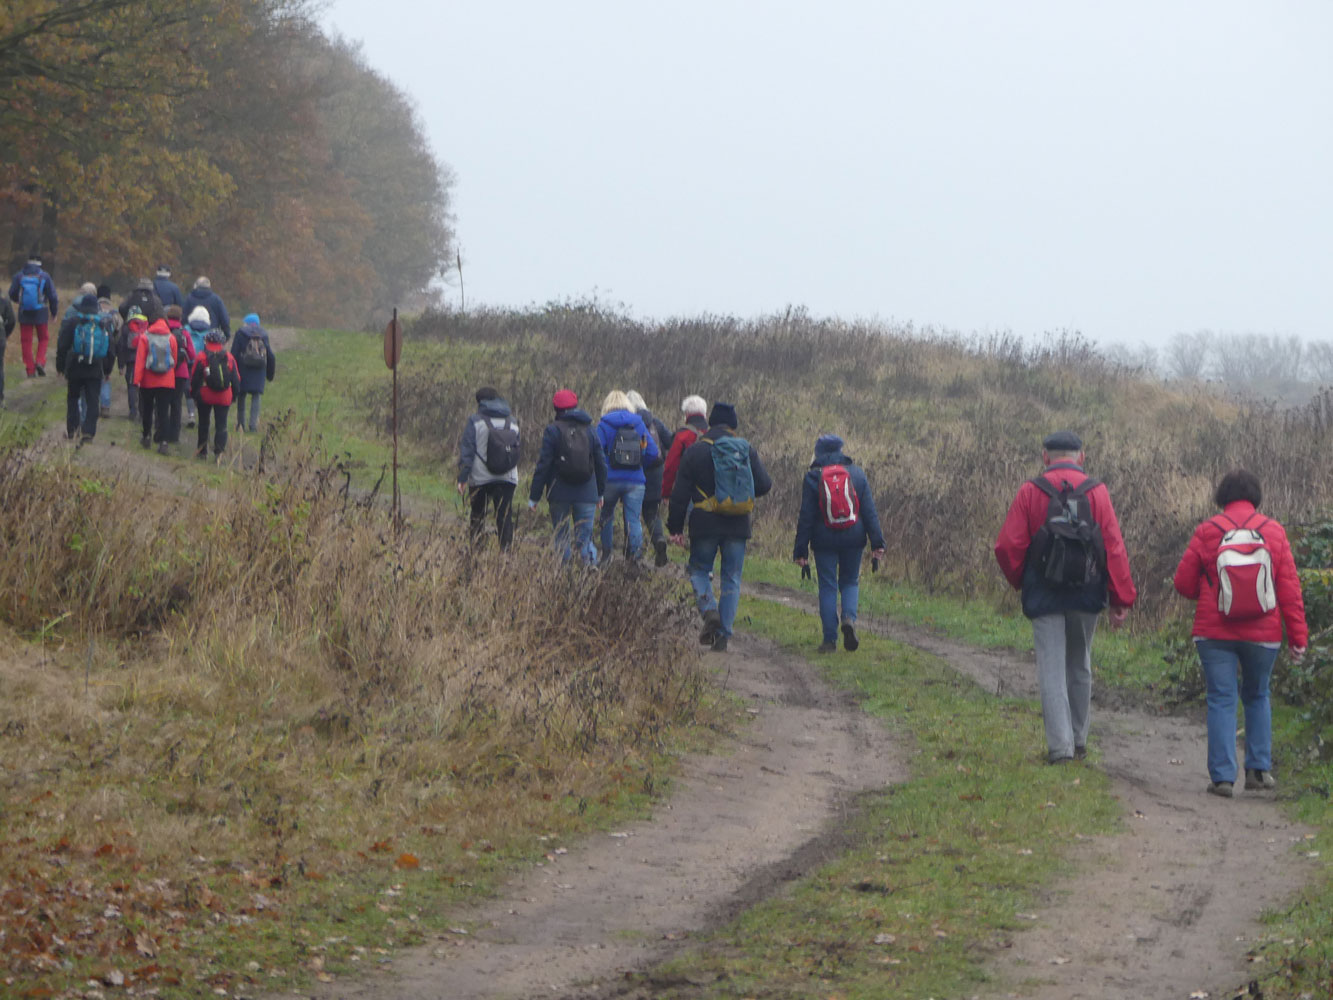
<point x="131" y="391"/>
<point x="177" y="401"/>
<point x="156" y="403"/>
<point x="502" y="495"/>
<point x="207" y="411"/>
<point x="87" y="389"/>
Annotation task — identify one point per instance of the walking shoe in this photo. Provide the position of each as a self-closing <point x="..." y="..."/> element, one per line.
<point x="660" y="550"/>
<point x="1080" y="753"/>
<point x="105" y="411"/>
<point x="201" y="454"/>
<point x="720" y="643"/>
<point x="145" y="441"/>
<point x="1222" y="788"/>
<point x="1058" y="760"/>
<point x="41" y="371"/>
<point x="189" y="422"/>
<point x="1259" y="781"/>
<point x="712" y="625"/>
<point x="827" y="647"/>
<point x="164" y="449"/>
<point x="849" y="640"/>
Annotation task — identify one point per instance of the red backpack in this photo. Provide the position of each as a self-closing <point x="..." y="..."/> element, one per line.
<point x="838" y="501"/>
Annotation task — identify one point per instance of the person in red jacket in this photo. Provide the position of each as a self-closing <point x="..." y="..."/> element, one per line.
<point x="696" y="425"/>
<point x="1064" y="616"/>
<point x="155" y="362"/>
<point x="1239" y="570"/>
<point x="212" y="401"/>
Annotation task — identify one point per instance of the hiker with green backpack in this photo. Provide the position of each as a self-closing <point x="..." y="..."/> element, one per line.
<point x="721" y="475"/>
<point x="84" y="356"/>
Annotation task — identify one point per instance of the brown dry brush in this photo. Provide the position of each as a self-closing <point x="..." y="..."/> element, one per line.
<point x="946" y="426"/>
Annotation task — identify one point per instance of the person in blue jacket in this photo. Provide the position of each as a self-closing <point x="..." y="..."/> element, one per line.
<point x="572" y="481"/>
<point x="837" y="524"/>
<point x="628" y="446"/>
<point x="253" y="352"/>
<point x="167" y="290"/>
<point x="202" y="294"/>
<point x="34" y="294"/>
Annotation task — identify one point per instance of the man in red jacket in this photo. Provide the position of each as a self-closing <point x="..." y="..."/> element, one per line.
<point x="1063" y="611"/>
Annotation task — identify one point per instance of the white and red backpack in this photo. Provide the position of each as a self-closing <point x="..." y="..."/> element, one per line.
<point x="1245" y="588"/>
<point x="838" y="501"/>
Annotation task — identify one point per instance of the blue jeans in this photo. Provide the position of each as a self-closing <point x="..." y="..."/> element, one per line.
<point x="1219" y="659"/>
<point x="582" y="524"/>
<point x="839" y="572"/>
<point x="630" y="495"/>
<point x="702" y="553"/>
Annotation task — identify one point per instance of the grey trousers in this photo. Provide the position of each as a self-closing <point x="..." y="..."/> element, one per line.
<point x="1064" y="677"/>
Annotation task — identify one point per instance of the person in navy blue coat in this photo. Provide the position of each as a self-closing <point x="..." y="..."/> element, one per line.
<point x="625" y="479"/>
<point x="569" y="493"/>
<point x="167" y="290"/>
<point x="838" y="548"/>
<point x="202" y="294"/>
<point x="258" y="367"/>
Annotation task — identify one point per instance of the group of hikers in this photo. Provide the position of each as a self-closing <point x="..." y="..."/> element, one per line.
<point x="1060" y="546"/>
<point x="181" y="363"/>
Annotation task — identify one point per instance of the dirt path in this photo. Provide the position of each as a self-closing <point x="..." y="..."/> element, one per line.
<point x="1165" y="908"/>
<point x="738" y="827"/>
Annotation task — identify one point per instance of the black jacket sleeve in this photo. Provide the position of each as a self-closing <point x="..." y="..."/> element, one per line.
<point x="762" y="481"/>
<point x="7" y="316"/>
<point x="272" y="361"/>
<point x="64" y="341"/>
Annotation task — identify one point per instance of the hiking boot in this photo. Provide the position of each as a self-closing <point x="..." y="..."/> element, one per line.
<point x="1080" y="753"/>
<point x="189" y="422"/>
<point x="164" y="449"/>
<point x="202" y="454"/>
<point x="712" y="625"/>
<point x="145" y="442"/>
<point x="41" y="371"/>
<point x="1222" y="788"/>
<point x="827" y="647"/>
<point x="719" y="643"/>
<point x="105" y="411"/>
<point x="849" y="640"/>
<point x="1259" y="781"/>
<point x="660" y="552"/>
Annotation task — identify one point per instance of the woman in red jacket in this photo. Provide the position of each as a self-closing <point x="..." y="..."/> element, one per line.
<point x="213" y="384"/>
<point x="1238" y="568"/>
<point x="155" y="374"/>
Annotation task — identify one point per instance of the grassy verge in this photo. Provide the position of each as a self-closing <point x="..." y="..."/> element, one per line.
<point x="944" y="865"/>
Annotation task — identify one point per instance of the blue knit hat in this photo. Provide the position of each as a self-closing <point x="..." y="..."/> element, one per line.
<point x="251" y="319"/>
<point x="723" y="413"/>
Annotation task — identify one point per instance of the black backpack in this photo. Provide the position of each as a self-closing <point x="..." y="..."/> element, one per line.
<point x="626" y="449"/>
<point x="1068" y="550"/>
<point x="573" y="453"/>
<point x="501" y="447"/>
<point x="215" y="370"/>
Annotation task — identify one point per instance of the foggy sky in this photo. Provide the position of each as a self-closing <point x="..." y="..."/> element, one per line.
<point x="1129" y="170"/>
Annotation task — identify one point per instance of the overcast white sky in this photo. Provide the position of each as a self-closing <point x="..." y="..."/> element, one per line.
<point x="1129" y="170"/>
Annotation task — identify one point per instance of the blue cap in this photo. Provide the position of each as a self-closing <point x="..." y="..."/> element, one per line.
<point x="252" y="319"/>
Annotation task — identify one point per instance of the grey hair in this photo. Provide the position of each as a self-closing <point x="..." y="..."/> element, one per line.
<point x="694" y="404"/>
<point x="636" y="401"/>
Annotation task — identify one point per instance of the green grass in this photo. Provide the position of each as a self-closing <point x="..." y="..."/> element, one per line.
<point x="942" y="864"/>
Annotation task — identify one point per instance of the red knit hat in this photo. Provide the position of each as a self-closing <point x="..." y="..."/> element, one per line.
<point x="564" y="400"/>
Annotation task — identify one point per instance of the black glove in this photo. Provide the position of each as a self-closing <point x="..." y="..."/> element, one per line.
<point x="874" y="564"/>
<point x="805" y="572"/>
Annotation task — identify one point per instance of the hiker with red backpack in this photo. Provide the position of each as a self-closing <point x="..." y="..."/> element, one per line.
<point x="628" y="447"/>
<point x="1061" y="547"/>
<point x="488" y="454"/>
<point x="695" y="411"/>
<point x="571" y="472"/>
<point x="1239" y="571"/>
<point x="719" y="478"/>
<point x="34" y="296"/>
<point x="84" y="356"/>
<point x="214" y="381"/>
<point x="837" y="519"/>
<point x="155" y="375"/>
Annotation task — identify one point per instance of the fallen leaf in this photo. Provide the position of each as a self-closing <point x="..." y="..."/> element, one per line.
<point x="145" y="945"/>
<point x="381" y="847"/>
<point x="407" y="861"/>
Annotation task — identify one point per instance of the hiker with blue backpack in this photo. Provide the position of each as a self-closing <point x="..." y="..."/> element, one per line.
<point x="628" y="447"/>
<point x="571" y="472"/>
<point x="488" y="454"/>
<point x="721" y="475"/>
<point x="85" y="357"/>
<point x="34" y="296"/>
<point x="253" y="351"/>
<point x="837" y="519"/>
<point x="155" y="374"/>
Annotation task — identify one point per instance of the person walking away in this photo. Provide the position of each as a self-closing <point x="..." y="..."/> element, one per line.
<point x="721" y="475"/>
<point x="198" y="325"/>
<point x="571" y="472"/>
<point x="1239" y="571"/>
<point x="7" y="321"/>
<point x="84" y="356"/>
<point x="184" y="365"/>
<point x="155" y="375"/>
<point x="652" y="476"/>
<point x="628" y="447"/>
<point x="488" y="453"/>
<point x="112" y="318"/>
<point x="34" y="296"/>
<point x="253" y="351"/>
<point x="127" y="353"/>
<point x="168" y="292"/>
<point x="214" y="382"/>
<point x="202" y="294"/>
<point x="1061" y="547"/>
<point x="837" y="519"/>
<point x="144" y="298"/>
<point x="695" y="411"/>
<point x="72" y="312"/>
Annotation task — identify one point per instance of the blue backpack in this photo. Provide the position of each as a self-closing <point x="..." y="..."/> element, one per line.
<point x="733" y="479"/>
<point x="91" y="340"/>
<point x="30" y="292"/>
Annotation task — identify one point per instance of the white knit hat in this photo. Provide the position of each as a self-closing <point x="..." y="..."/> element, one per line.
<point x="200" y="314"/>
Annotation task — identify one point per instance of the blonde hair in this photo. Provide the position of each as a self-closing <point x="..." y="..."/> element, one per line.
<point x="694" y="404"/>
<point x="636" y="401"/>
<point x="616" y="400"/>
